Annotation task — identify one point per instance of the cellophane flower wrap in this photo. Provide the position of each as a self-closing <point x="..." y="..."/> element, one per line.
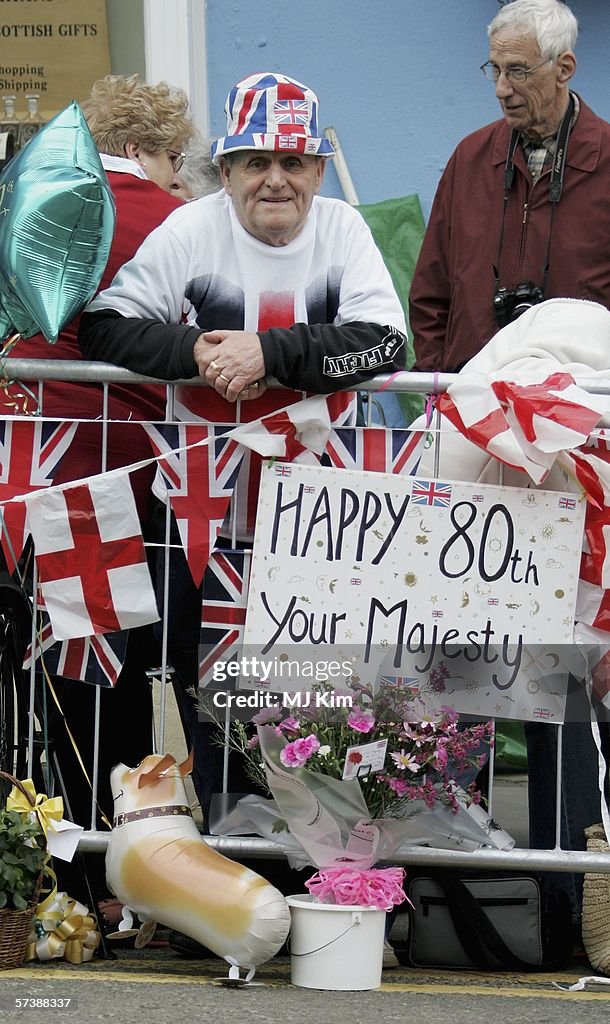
<point x="300" y="756"/>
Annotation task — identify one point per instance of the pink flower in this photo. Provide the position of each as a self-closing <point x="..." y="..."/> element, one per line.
<point x="290" y="724"/>
<point x="297" y="753"/>
<point x="252" y="743"/>
<point x="398" y="786"/>
<point x="266" y="715"/>
<point x="361" y="721"/>
<point x="440" y="759"/>
<point x="403" y="761"/>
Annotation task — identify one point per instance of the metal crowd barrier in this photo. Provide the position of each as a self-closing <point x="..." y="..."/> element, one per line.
<point x="95" y="841"/>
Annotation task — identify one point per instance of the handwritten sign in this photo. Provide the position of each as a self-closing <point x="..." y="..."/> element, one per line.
<point x="400" y="575"/>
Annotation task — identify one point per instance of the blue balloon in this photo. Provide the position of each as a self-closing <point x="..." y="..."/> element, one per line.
<point x="57" y="215"/>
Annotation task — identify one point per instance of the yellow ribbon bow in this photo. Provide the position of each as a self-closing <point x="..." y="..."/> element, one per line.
<point x="46" y="809"/>
<point x="68" y="930"/>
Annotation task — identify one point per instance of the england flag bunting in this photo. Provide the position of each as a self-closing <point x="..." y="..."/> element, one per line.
<point x="199" y="470"/>
<point x="30" y="453"/>
<point x="375" y="449"/>
<point x="96" y="659"/>
<point x="291" y="432"/>
<point x="223" y="609"/>
<point x="90" y="555"/>
<point x="297" y="433"/>
<point x="523" y="425"/>
<point x="532" y="426"/>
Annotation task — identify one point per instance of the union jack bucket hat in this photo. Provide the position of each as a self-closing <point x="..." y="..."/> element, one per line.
<point x="272" y="112"/>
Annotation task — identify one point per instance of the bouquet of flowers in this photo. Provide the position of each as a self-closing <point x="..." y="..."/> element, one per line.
<point x="377" y="738"/>
<point x="352" y="780"/>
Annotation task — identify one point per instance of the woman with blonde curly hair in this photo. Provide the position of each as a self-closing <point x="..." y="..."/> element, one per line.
<point x="147" y="124"/>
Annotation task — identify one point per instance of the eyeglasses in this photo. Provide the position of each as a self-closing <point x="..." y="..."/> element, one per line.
<point x="515" y="74"/>
<point x="176" y="159"/>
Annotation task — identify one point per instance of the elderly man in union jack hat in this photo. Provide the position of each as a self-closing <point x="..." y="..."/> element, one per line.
<point x="277" y="282"/>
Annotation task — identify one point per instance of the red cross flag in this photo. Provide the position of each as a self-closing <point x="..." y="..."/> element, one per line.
<point x="90" y="556"/>
<point x="288" y="433"/>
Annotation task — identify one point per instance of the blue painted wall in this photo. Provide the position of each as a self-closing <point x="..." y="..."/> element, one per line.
<point x="398" y="79"/>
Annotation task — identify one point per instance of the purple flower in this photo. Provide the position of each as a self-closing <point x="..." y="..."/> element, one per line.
<point x="361" y="721"/>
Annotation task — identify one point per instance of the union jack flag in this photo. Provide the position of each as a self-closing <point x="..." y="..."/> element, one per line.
<point x="393" y="681"/>
<point x="492" y="600"/>
<point x="287" y="142"/>
<point x="542" y="713"/>
<point x="569" y="503"/>
<point x="223" y="609"/>
<point x="431" y="492"/>
<point x="96" y="659"/>
<point x="375" y="449"/>
<point x="30" y="453"/>
<point x="291" y="112"/>
<point x="199" y="471"/>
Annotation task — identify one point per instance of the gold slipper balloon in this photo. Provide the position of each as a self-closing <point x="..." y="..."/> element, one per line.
<point x="57" y="219"/>
<point x="158" y="865"/>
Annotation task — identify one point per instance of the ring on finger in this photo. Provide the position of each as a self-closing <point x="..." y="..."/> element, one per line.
<point x="221" y="376"/>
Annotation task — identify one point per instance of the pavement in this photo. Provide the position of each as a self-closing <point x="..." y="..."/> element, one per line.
<point x="158" y="986"/>
<point x="155" y="986"/>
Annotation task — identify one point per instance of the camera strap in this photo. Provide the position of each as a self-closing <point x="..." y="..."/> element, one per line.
<point x="555" y="189"/>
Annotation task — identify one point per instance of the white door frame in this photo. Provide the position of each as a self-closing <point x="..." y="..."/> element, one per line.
<point x="175" y="49"/>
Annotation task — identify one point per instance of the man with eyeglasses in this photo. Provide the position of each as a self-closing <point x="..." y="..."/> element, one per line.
<point x="498" y="239"/>
<point x="522" y="214"/>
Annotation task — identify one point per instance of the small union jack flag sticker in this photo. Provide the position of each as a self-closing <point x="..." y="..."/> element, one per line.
<point x="492" y="600"/>
<point x="569" y="503"/>
<point x="431" y="492"/>
<point x="309" y="490"/>
<point x="477" y="497"/>
<point x="355" y="581"/>
<point x="437" y="614"/>
<point x="542" y="713"/>
<point x="282" y="470"/>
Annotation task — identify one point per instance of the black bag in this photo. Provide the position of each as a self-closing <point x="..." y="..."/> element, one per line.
<point x="489" y="922"/>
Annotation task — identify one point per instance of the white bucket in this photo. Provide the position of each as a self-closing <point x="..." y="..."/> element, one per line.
<point x="338" y="948"/>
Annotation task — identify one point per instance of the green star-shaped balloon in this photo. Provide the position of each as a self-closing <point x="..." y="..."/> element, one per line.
<point x="56" y="224"/>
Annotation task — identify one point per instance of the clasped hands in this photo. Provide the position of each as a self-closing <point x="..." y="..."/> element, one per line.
<point x="232" y="363"/>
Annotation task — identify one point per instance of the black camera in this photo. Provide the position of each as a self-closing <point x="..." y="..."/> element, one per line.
<point x="509" y="304"/>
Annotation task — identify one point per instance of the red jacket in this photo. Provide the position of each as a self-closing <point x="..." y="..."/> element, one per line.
<point x="140" y="207"/>
<point x="451" y="312"/>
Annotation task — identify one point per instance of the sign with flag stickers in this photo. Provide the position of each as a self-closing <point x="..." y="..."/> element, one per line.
<point x="435" y="580"/>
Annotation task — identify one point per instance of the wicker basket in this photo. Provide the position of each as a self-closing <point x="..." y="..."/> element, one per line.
<point x="15" y="925"/>
<point x="596" y="906"/>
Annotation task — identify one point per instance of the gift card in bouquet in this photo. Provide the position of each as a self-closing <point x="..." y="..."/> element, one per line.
<point x="364" y="759"/>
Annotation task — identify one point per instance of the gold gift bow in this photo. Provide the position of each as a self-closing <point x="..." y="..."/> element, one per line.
<point x="46" y="809"/>
<point x="71" y="932"/>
